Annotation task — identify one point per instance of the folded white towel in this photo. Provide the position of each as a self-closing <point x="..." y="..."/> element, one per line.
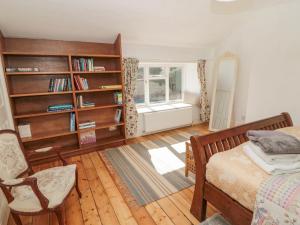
<point x="274" y="169"/>
<point x="273" y="158"/>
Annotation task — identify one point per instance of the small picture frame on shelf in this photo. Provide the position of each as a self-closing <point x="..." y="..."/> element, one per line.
<point x="24" y="130"/>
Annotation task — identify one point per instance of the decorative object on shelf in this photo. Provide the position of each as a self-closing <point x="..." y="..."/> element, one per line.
<point x="72" y="122"/>
<point x="82" y="104"/>
<point x="24" y="130"/>
<point x="83" y="64"/>
<point x="118" y="98"/>
<point x="99" y="68"/>
<point x="130" y="67"/>
<point x="59" y="107"/>
<point x="118" y="115"/>
<point x="60" y="84"/>
<point x="81" y="83"/>
<point x="88" y="137"/>
<point x="112" y="86"/>
<point x="89" y="124"/>
<point x="22" y="69"/>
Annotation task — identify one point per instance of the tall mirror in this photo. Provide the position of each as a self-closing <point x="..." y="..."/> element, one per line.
<point x="223" y="94"/>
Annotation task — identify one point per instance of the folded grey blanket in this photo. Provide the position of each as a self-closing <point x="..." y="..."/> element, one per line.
<point x="274" y="142"/>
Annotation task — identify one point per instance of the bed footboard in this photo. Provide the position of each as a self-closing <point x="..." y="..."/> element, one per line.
<point x="206" y="146"/>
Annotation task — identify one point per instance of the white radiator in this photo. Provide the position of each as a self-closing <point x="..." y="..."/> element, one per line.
<point x="167" y="119"/>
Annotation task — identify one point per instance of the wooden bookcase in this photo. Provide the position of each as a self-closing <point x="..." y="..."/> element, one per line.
<point x="29" y="96"/>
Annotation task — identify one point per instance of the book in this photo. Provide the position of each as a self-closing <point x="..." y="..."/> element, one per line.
<point x="82" y="104"/>
<point x="59" y="107"/>
<point x="59" y="84"/>
<point x="72" y="122"/>
<point x="118" y="115"/>
<point x="116" y="86"/>
<point x="89" y="124"/>
<point x="83" y="64"/>
<point x="22" y="69"/>
<point x="99" y="68"/>
<point x="81" y="83"/>
<point x="88" y="137"/>
<point x="118" y="98"/>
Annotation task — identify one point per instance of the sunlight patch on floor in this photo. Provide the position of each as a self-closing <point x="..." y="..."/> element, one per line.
<point x="164" y="161"/>
<point x="179" y="147"/>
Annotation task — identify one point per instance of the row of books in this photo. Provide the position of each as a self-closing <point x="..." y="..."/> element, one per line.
<point x="88" y="137"/>
<point x="89" y="124"/>
<point x="81" y="83"/>
<point x="22" y="69"/>
<point x="83" y="104"/>
<point x="83" y="64"/>
<point x="72" y="122"/>
<point x="59" y="107"/>
<point x="60" y="84"/>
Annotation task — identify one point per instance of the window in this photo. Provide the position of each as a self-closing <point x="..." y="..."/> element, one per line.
<point x="158" y="84"/>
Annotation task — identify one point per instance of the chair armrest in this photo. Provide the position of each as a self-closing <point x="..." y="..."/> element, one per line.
<point x="54" y="149"/>
<point x="28" y="181"/>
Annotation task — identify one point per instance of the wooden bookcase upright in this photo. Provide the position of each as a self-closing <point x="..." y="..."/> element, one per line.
<point x="29" y="96"/>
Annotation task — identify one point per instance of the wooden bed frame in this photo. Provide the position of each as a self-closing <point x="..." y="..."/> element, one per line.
<point x="206" y="146"/>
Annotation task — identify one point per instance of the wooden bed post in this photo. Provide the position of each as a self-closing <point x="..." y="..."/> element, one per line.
<point x="288" y="118"/>
<point x="199" y="204"/>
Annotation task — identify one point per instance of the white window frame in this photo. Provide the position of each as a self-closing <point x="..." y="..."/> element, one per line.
<point x="148" y="77"/>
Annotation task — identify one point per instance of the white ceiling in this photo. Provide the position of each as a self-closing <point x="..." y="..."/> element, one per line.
<point x="189" y="23"/>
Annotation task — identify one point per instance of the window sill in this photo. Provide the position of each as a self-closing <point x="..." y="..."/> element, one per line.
<point x="164" y="107"/>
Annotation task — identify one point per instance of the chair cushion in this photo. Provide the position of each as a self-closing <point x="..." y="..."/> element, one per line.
<point x="55" y="183"/>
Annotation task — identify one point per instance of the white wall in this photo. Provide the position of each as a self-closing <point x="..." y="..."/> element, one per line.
<point x="268" y="47"/>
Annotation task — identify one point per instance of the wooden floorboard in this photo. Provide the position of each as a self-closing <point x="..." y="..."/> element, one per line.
<point x="106" y="201"/>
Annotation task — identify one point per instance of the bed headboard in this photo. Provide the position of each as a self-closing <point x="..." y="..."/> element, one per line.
<point x="207" y="145"/>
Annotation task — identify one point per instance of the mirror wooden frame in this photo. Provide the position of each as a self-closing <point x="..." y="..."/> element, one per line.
<point x="227" y="55"/>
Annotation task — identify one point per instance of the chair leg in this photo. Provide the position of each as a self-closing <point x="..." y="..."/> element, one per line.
<point x="60" y="216"/>
<point x="77" y="186"/>
<point x="16" y="219"/>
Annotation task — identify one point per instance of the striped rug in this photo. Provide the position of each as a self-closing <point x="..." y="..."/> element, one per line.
<point x="152" y="169"/>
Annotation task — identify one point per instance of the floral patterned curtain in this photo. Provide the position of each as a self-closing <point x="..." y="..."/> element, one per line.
<point x="204" y="106"/>
<point x="130" y="70"/>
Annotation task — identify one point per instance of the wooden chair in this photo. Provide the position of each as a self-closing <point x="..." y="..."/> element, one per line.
<point x="39" y="193"/>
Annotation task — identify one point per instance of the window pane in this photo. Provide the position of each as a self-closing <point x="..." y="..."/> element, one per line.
<point x="140" y="73"/>
<point x="156" y="71"/>
<point x="139" y="96"/>
<point x="175" y="83"/>
<point x="157" y="91"/>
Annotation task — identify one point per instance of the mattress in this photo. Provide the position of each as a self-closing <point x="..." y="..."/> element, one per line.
<point x="236" y="175"/>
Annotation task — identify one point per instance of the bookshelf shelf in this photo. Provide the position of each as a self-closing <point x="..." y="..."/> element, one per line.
<point x="95" y="73"/>
<point x="105" y="141"/>
<point x="41" y="114"/>
<point x="38" y="73"/>
<point x="99" y="107"/>
<point x="102" y="126"/>
<point x="99" y="90"/>
<point x="16" y="53"/>
<point x="40" y="94"/>
<point x="96" y="56"/>
<point x="47" y="136"/>
<point x="56" y="61"/>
